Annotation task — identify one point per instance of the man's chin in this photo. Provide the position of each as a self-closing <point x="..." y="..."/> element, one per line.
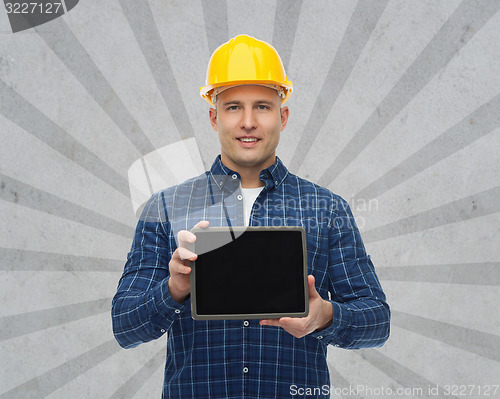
<point x="259" y="164"/>
<point x="248" y="164"/>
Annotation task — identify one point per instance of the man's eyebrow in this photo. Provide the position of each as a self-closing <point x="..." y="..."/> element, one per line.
<point x="231" y="102"/>
<point x="256" y="102"/>
<point x="266" y="102"/>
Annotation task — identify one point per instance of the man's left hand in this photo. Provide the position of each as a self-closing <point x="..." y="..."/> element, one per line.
<point x="319" y="317"/>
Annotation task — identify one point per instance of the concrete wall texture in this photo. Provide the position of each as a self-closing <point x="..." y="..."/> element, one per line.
<point x="396" y="108"/>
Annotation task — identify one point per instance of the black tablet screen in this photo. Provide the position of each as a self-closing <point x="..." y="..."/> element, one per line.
<point x="258" y="272"/>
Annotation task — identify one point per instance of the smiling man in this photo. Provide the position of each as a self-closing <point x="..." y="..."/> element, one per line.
<point x="249" y="119"/>
<point x="248" y="185"/>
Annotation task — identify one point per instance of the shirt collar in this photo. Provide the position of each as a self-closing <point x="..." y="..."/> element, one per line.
<point x="272" y="176"/>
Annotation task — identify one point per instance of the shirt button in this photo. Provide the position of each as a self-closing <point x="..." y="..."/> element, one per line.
<point x="246" y="323"/>
<point x="337" y="345"/>
<point x="162" y="330"/>
<point x="177" y="311"/>
<point x="235" y="176"/>
<point x="245" y="370"/>
<point x="320" y="337"/>
<point x="239" y="197"/>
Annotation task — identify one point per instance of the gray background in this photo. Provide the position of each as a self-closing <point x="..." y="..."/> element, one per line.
<point x="395" y="102"/>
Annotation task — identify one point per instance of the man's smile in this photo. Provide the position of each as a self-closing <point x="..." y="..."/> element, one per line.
<point x="248" y="141"/>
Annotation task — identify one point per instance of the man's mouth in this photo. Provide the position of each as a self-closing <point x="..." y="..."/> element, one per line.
<point x="247" y="139"/>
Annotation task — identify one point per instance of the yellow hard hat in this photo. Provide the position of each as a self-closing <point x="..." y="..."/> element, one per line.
<point x="245" y="60"/>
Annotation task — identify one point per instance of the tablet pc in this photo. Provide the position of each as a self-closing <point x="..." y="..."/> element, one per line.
<point x="249" y="273"/>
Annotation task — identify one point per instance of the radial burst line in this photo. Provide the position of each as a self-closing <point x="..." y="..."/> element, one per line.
<point x="461" y="26"/>
<point x="50" y="381"/>
<point x="17" y="109"/>
<point x="366" y="15"/>
<point x="487" y="273"/>
<point x="136" y="382"/>
<point x="471" y="128"/>
<point x="286" y="20"/>
<point x="22" y="194"/>
<point x="215" y="17"/>
<point x="400" y="373"/>
<point x="26" y="323"/>
<point x="473" y="206"/>
<point x="59" y="37"/>
<point x="339" y="383"/>
<point x="143" y="26"/>
<point x="473" y="341"/>
<point x="17" y="260"/>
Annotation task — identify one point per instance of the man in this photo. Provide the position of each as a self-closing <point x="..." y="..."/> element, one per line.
<point x="248" y="185"/>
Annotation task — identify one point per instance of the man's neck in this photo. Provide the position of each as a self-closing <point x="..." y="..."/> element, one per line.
<point x="250" y="176"/>
<point x="250" y="180"/>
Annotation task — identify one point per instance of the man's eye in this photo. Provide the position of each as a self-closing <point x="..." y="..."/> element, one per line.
<point x="263" y="107"/>
<point x="232" y="108"/>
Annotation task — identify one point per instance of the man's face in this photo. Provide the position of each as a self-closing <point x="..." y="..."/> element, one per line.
<point x="249" y="120"/>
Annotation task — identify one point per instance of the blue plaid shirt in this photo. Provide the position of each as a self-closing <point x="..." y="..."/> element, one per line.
<point x="237" y="358"/>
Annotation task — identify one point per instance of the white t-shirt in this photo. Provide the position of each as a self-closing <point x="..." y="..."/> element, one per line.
<point x="249" y="197"/>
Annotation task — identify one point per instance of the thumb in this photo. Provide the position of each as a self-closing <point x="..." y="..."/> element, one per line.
<point x="312" y="287"/>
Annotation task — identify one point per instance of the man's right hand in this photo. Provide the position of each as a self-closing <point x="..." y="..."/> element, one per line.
<point x="180" y="282"/>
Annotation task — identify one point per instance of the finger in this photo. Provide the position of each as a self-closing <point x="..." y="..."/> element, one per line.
<point x="286" y="321"/>
<point x="180" y="254"/>
<point x="179" y="268"/>
<point x="270" y="322"/>
<point x="185" y="238"/>
<point x="312" y="288"/>
<point x="294" y="323"/>
<point x="202" y="224"/>
<point x="186" y="254"/>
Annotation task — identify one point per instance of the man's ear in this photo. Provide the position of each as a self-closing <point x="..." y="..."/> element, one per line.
<point x="284" y="117"/>
<point x="212" y="112"/>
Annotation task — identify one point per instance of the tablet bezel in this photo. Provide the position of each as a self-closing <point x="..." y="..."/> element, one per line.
<point x="238" y="230"/>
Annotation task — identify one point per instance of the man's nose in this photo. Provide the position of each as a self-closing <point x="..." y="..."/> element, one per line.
<point x="248" y="120"/>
